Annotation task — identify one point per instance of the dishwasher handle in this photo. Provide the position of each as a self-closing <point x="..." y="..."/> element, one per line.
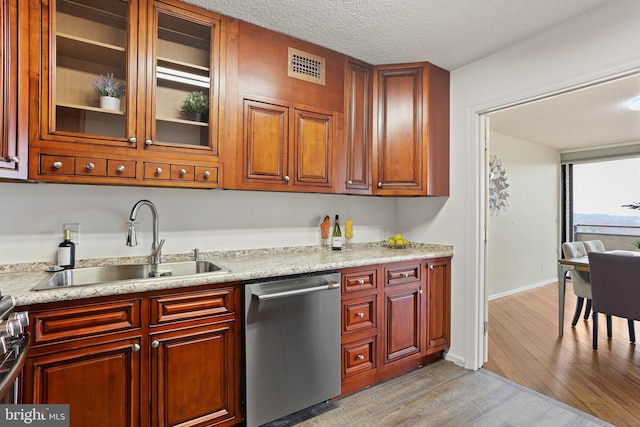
<point x="293" y="292"/>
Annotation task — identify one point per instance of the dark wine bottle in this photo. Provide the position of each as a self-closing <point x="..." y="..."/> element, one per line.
<point x="336" y="236"/>
<point x="67" y="251"/>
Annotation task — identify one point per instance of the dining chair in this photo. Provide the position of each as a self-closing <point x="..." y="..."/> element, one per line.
<point x="615" y="285"/>
<point x="580" y="280"/>
<point x="593" y="245"/>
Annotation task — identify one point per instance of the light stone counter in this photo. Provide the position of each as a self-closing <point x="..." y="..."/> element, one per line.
<point x="243" y="265"/>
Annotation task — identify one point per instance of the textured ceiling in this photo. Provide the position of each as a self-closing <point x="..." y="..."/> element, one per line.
<point x="447" y="33"/>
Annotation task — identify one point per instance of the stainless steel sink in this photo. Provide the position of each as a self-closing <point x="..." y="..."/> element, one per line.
<point x="116" y="273"/>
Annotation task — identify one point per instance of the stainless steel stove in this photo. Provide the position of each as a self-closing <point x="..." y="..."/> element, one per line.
<point x="14" y="344"/>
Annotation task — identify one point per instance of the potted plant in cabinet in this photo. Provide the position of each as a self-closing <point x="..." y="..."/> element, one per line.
<point x="110" y="91"/>
<point x="195" y="106"/>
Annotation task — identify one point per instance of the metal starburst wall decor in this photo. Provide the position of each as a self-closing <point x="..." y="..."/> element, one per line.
<point x="498" y="195"/>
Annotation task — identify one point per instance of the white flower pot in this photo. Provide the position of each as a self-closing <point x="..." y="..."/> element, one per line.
<point x="110" y="103"/>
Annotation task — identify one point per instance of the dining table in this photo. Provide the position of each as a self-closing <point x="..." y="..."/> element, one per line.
<point x="579" y="264"/>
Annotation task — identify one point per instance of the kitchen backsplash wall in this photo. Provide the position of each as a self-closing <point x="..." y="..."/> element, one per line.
<point x="32" y="216"/>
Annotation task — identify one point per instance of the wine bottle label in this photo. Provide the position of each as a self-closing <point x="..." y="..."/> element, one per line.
<point x="64" y="256"/>
<point x="336" y="242"/>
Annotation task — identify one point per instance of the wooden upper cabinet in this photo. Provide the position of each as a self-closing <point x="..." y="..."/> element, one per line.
<point x="411" y="130"/>
<point x="160" y="52"/>
<point x="14" y="30"/>
<point x="358" y="108"/>
<point x="313" y="149"/>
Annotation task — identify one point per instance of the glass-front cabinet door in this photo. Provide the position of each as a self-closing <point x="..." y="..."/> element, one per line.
<point x="182" y="80"/>
<point x="91" y="87"/>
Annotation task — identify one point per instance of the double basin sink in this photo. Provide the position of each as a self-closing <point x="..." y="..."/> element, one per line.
<point x="117" y="273"/>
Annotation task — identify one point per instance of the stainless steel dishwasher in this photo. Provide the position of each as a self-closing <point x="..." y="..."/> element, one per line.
<point x="292" y="344"/>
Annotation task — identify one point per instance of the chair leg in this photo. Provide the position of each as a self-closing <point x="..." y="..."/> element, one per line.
<point x="587" y="310"/>
<point x="594" y="330"/>
<point x="576" y="315"/>
<point x="632" y="331"/>
<point x="609" y="327"/>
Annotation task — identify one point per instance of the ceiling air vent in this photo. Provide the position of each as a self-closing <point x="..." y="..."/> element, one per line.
<point x="305" y="66"/>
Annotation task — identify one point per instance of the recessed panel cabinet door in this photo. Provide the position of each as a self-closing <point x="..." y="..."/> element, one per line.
<point x="265" y="143"/>
<point x="358" y="87"/>
<point x="438" y="305"/>
<point x="403" y="322"/>
<point x="192" y="377"/>
<point x="313" y="148"/>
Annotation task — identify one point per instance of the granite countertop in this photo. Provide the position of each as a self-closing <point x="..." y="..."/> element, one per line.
<point x="18" y="281"/>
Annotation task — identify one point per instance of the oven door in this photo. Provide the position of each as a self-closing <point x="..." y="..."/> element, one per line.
<point x="11" y="367"/>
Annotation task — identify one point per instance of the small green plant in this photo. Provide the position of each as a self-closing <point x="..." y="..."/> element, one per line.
<point x="195" y="103"/>
<point x="637" y="244"/>
<point x="109" y="86"/>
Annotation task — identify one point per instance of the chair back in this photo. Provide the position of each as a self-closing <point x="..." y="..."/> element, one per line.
<point x="615" y="284"/>
<point x="594" y="246"/>
<point x="574" y="249"/>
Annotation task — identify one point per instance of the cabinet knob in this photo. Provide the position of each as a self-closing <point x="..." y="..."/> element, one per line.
<point x="207" y="174"/>
<point x="361" y="357"/>
<point x="350" y="182"/>
<point x="379" y="185"/>
<point x="14" y="159"/>
<point x="90" y="165"/>
<point x="360" y="281"/>
<point x="148" y="142"/>
<point x="405" y="275"/>
<point x="183" y="172"/>
<point x="135" y="347"/>
<point x="286" y="178"/>
<point x="57" y="165"/>
<point x="120" y="168"/>
<point x="420" y="291"/>
<point x="361" y="315"/>
<point x="431" y="267"/>
<point x="158" y="171"/>
<point x="155" y="343"/>
<point x="133" y="140"/>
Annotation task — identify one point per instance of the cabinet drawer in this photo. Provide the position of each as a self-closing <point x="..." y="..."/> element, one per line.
<point x="400" y="274"/>
<point x="91" y="166"/>
<point x="121" y="168"/>
<point x="359" y="314"/>
<point x="182" y="172"/>
<point x="357" y="281"/>
<point x="157" y="171"/>
<point x="57" y="165"/>
<point x="358" y="356"/>
<point x="178" y="307"/>
<point x="86" y="321"/>
<point x="207" y="174"/>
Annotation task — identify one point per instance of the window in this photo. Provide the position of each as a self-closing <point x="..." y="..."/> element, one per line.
<point x="599" y="191"/>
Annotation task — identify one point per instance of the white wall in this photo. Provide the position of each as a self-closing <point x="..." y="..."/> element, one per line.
<point x="522" y="249"/>
<point x="33" y="214"/>
<point x="601" y="43"/>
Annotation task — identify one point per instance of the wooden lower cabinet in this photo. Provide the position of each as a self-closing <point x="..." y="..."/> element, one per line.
<point x="167" y="358"/>
<point x="395" y="318"/>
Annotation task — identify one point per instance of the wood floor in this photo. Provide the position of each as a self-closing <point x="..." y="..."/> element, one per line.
<point x="524" y="347"/>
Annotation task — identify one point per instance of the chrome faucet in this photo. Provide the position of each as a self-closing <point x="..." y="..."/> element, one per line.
<point x="132" y="239"/>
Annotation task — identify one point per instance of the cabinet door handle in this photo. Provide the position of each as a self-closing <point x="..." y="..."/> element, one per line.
<point x="360" y="315"/>
<point x="207" y="174"/>
<point x="360" y="281"/>
<point x="379" y="185"/>
<point x="135" y="347"/>
<point x="183" y="172"/>
<point x="14" y="159"/>
<point x="155" y="343"/>
<point x="148" y="142"/>
<point x="361" y="357"/>
<point x="90" y="166"/>
<point x="420" y="291"/>
<point x="158" y="171"/>
<point x="57" y="165"/>
<point x="286" y="178"/>
<point x="133" y="140"/>
<point x="120" y="168"/>
<point x="431" y="267"/>
<point x="350" y="182"/>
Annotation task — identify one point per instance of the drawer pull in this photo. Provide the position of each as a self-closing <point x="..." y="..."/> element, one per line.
<point x="155" y="343"/>
<point x="135" y="347"/>
<point x="90" y="166"/>
<point x="57" y="165"/>
<point x="183" y="172"/>
<point x="133" y="140"/>
<point x="207" y="174"/>
<point x="158" y="171"/>
<point x="361" y="315"/>
<point x="120" y="168"/>
<point x="360" y="281"/>
<point x="361" y="357"/>
<point x="405" y="275"/>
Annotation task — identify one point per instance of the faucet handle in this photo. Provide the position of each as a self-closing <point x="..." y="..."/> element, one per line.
<point x="196" y="254"/>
